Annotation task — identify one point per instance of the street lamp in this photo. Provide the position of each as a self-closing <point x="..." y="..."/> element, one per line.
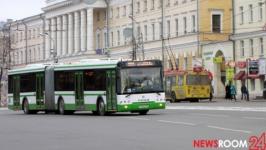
<point x="52" y="50"/>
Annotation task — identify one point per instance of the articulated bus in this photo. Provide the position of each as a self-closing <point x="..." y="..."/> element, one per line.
<point x="187" y="85"/>
<point x="100" y="86"/>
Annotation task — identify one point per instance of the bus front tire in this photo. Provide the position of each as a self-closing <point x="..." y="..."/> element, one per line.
<point x="101" y="108"/>
<point x="26" y="108"/>
<point x="143" y="112"/>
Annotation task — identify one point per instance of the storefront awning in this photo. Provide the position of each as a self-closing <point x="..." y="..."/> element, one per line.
<point x="240" y="75"/>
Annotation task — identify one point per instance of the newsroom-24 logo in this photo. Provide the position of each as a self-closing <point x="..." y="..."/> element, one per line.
<point x="254" y="143"/>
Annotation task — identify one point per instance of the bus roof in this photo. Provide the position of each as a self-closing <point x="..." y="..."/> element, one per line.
<point x="83" y="64"/>
<point x="79" y="65"/>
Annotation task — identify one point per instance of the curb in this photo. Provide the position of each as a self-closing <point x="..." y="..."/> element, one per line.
<point x="3" y="108"/>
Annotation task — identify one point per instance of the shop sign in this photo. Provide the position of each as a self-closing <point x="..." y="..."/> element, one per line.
<point x="253" y="67"/>
<point x="197" y="62"/>
<point x="218" y="60"/>
<point x="262" y="66"/>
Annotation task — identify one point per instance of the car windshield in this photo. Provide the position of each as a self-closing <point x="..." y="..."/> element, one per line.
<point x="141" y="80"/>
<point x="198" y="80"/>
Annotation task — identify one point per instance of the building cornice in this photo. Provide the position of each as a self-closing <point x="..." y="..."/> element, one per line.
<point x="58" y="5"/>
<point x="248" y="35"/>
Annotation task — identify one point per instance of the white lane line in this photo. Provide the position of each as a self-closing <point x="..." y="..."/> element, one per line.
<point x="218" y="108"/>
<point x="174" y="122"/>
<point x="210" y="115"/>
<point x="254" y="118"/>
<point x="136" y="118"/>
<point x="228" y="129"/>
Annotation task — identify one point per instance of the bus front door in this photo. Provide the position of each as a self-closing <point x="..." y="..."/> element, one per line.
<point x="40" y="91"/>
<point x="16" y="92"/>
<point x="79" y="91"/>
<point x="111" y="90"/>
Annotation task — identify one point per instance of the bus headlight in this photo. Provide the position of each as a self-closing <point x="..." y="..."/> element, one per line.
<point x="126" y="107"/>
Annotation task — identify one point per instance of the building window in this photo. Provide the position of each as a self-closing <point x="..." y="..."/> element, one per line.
<point x="112" y="38"/>
<point x="216" y="23"/>
<point x="118" y="12"/>
<point x="145" y="6"/>
<point x="98" y="41"/>
<point x="105" y="40"/>
<point x="118" y="37"/>
<point x="185" y="25"/>
<point x="251" y="47"/>
<point x="176" y="27"/>
<point x="193" y="23"/>
<point x="242" y="47"/>
<point x="261" y="11"/>
<point x="111" y="13"/>
<point x="138" y="31"/>
<point x="161" y="31"/>
<point x="250" y="13"/>
<point x="241" y="9"/>
<point x="153" y="31"/>
<point x="176" y="2"/>
<point x="168" y="28"/>
<point x="125" y="11"/>
<point x="159" y="4"/>
<point x="146" y="32"/>
<point x="138" y="7"/>
<point x="168" y="3"/>
<point x="261" y="46"/>
<point x="152" y="4"/>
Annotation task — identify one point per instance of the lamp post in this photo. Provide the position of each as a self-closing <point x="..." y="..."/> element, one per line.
<point x="52" y="50"/>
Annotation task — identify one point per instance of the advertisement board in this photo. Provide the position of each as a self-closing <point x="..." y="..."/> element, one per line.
<point x="253" y="67"/>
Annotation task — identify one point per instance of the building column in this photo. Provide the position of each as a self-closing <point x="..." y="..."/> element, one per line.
<point x="53" y="37"/>
<point x="70" y="34"/>
<point x="47" y="39"/>
<point x="59" y="36"/>
<point x="77" y="32"/>
<point x="83" y="30"/>
<point x="90" y="30"/>
<point x="64" y="39"/>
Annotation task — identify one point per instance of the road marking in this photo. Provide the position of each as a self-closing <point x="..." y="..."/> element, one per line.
<point x="254" y="118"/>
<point x="137" y="118"/>
<point x="173" y="122"/>
<point x="218" y="108"/>
<point x="210" y="115"/>
<point x="227" y="129"/>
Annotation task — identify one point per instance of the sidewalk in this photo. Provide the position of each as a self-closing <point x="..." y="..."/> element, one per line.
<point x="3" y="108"/>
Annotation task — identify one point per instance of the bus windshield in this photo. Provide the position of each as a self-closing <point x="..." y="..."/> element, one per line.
<point x="140" y="80"/>
<point x="198" y="80"/>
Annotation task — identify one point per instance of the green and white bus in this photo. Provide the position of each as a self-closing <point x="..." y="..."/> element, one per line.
<point x="100" y="86"/>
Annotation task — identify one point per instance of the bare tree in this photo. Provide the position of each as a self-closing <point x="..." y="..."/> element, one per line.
<point x="5" y="47"/>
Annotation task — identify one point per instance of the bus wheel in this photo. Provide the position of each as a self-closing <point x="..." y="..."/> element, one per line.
<point x="101" y="108"/>
<point x="61" y="107"/>
<point x="143" y="112"/>
<point x="26" y="107"/>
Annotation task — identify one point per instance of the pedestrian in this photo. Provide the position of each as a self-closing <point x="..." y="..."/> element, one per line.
<point x="244" y="92"/>
<point x="211" y="91"/>
<point x="227" y="91"/>
<point x="233" y="92"/>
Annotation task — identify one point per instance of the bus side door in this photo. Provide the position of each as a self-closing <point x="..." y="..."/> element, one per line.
<point x="111" y="90"/>
<point x="40" y="90"/>
<point x="180" y="88"/>
<point x="16" y="92"/>
<point x="79" y="90"/>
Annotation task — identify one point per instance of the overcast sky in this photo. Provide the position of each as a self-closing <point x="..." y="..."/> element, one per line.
<point x="19" y="9"/>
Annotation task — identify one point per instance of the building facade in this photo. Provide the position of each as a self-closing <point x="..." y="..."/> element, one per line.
<point x="250" y="38"/>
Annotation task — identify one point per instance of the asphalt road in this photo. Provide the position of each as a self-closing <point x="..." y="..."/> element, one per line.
<point x="171" y="129"/>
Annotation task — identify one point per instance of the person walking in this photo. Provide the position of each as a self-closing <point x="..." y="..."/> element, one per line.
<point x="244" y="92"/>
<point x="233" y="92"/>
<point x="227" y="91"/>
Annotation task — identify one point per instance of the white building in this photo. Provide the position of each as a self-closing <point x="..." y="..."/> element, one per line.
<point x="250" y="36"/>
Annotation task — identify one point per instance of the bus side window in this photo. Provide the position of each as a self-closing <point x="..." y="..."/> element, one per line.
<point x="180" y="80"/>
